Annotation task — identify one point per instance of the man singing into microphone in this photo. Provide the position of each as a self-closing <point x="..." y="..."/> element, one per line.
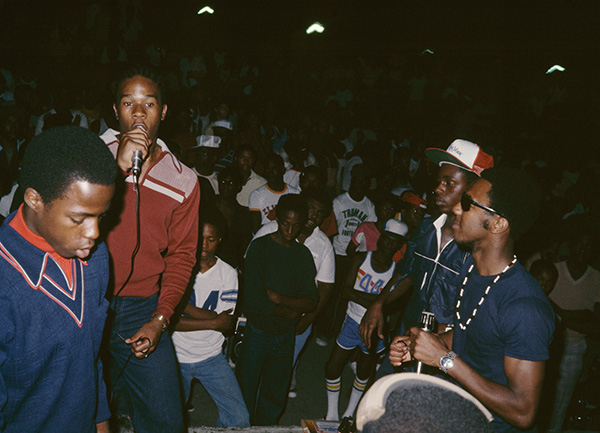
<point x="148" y="283"/>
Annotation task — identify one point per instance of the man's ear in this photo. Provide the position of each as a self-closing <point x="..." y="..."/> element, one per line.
<point x="116" y="112"/>
<point x="33" y="200"/>
<point x="164" y="112"/>
<point x="500" y="225"/>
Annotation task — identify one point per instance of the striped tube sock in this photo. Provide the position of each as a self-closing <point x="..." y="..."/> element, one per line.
<point x="358" y="389"/>
<point x="333" y="398"/>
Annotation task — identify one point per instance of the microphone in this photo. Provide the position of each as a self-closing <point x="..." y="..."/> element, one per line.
<point x="426" y="324"/>
<point x="136" y="161"/>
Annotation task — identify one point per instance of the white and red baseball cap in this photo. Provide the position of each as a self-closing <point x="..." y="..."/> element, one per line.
<point x="463" y="154"/>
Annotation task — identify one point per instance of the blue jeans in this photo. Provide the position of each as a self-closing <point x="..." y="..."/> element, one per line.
<point x="571" y="364"/>
<point x="300" y="342"/>
<point x="265" y="362"/>
<point x="217" y="378"/>
<point x="151" y="385"/>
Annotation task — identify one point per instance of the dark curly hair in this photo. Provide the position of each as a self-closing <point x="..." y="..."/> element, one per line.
<point x="60" y="156"/>
<point x="142" y="71"/>
<point x="292" y="203"/>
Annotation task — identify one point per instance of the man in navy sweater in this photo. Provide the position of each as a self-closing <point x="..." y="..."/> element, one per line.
<point x="53" y="280"/>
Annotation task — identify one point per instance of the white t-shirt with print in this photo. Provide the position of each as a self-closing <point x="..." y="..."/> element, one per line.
<point x="215" y="290"/>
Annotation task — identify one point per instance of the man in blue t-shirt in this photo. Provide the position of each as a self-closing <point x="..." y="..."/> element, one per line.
<point x="503" y="323"/>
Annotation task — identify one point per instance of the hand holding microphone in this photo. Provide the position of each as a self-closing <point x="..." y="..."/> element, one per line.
<point x="426" y="323"/>
<point x="133" y="149"/>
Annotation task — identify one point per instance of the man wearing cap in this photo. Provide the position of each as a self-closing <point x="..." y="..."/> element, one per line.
<point x="503" y="322"/>
<point x="369" y="273"/>
<point x="433" y="260"/>
<point x="206" y="154"/>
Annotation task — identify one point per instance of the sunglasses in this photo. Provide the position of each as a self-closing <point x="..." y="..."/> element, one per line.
<point x="466" y="202"/>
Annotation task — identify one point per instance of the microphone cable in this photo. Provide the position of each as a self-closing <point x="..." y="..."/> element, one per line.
<point x="112" y="306"/>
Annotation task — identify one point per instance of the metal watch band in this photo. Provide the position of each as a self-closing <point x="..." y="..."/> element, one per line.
<point x="452" y="357"/>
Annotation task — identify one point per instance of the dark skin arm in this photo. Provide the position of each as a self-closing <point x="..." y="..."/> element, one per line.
<point x="102" y="427"/>
<point x="373" y="321"/>
<point x="324" y="292"/>
<point x="363" y="299"/>
<point x="516" y="402"/>
<point x="221" y="322"/>
<point x="199" y="313"/>
<point x="351" y="249"/>
<point x="296" y="304"/>
<point x="584" y="321"/>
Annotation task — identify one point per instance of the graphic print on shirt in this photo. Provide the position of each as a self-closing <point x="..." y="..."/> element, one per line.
<point x="353" y="218"/>
<point x="69" y="297"/>
<point x="366" y="282"/>
<point x="212" y="300"/>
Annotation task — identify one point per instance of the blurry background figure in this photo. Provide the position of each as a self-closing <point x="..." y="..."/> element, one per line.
<point x="576" y="299"/>
<point x="206" y="153"/>
<point x="244" y="160"/>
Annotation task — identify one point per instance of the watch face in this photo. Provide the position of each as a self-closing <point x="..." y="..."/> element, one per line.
<point x="447" y="362"/>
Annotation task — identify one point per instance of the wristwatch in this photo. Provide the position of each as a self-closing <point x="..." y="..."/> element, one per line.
<point x="447" y="361"/>
<point x="163" y="320"/>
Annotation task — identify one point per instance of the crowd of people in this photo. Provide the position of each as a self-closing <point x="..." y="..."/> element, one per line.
<point x="336" y="222"/>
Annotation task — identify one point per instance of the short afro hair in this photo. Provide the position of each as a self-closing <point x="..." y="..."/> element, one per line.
<point x="412" y="403"/>
<point x="142" y="71"/>
<point x="216" y="219"/>
<point x="516" y="196"/>
<point x="429" y="409"/>
<point x="60" y="156"/>
<point x="292" y="203"/>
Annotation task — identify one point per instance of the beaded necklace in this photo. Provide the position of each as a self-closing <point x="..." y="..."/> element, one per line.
<point x="487" y="290"/>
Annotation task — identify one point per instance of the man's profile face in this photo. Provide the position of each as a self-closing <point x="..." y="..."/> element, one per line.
<point x="547" y="281"/>
<point x="139" y="105"/>
<point x="471" y="226"/>
<point x="289" y="225"/>
<point x="70" y="223"/>
<point x="452" y="182"/>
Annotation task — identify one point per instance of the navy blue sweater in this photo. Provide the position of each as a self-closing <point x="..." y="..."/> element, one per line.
<point x="50" y="334"/>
